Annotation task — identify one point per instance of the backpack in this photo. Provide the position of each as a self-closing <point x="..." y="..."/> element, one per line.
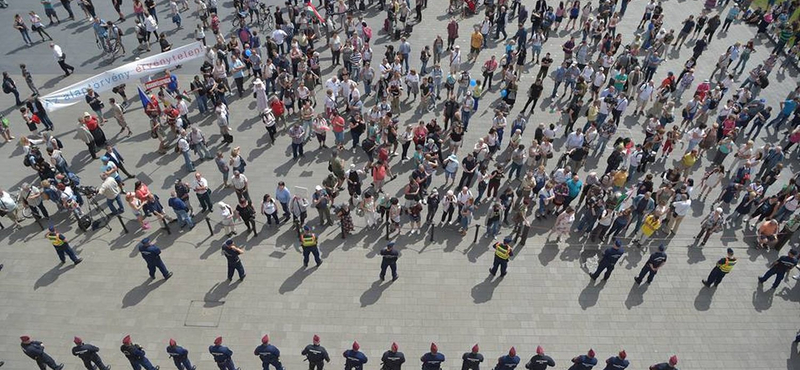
<point x="6" y="87"/>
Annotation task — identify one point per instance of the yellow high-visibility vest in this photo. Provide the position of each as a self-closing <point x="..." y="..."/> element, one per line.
<point x="502" y="251"/>
<point x="55" y="239"/>
<point x="308" y="240"/>
<point x="728" y="265"/>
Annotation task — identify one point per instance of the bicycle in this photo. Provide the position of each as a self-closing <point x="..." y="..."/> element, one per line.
<point x="113" y="49"/>
<point x="240" y="20"/>
<point x="265" y="18"/>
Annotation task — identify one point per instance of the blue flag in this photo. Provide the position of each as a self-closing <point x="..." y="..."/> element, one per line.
<point x="145" y="100"/>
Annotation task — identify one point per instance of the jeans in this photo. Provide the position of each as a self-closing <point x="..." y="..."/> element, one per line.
<point x="297" y="149"/>
<point x="779" y="274"/>
<point x="26" y="37"/>
<point x="465" y="118"/>
<point x="66" y="251"/>
<point x="205" y="201"/>
<point x="356" y="138"/>
<point x="646" y="270"/>
<point x="114" y="210"/>
<point x="188" y="161"/>
<point x="515" y="167"/>
<point x="601" y="145"/>
<point x="238" y="267"/>
<point x="309" y="251"/>
<point x="184" y="219"/>
<point x="202" y="103"/>
<point x="151" y="268"/>
<point x="778" y="121"/>
<point x="493" y="228"/>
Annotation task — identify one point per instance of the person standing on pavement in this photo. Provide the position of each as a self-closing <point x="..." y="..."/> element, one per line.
<point x="222" y="355"/>
<point x="393" y="359"/>
<point x="609" y="260"/>
<point x="181" y="210"/>
<point x="502" y="252"/>
<point x="35" y="350"/>
<point x="540" y="361"/>
<point x="115" y="157"/>
<point x="135" y="354"/>
<point x="433" y="359"/>
<point x="247" y="213"/>
<point x="88" y="354"/>
<point x="389" y="257"/>
<point x="723" y="267"/>
<point x="231" y="253"/>
<point x="61" y="245"/>
<point x="316" y="355"/>
<point x="618" y="362"/>
<point x="10" y="87"/>
<point x="269" y="354"/>
<point x="711" y="224"/>
<point x="653" y="264"/>
<point x="472" y="360"/>
<point x="779" y="268"/>
<point x="179" y="355"/>
<point x="61" y="59"/>
<point x="152" y="256"/>
<point x="308" y="241"/>
<point x="584" y="362"/>
<point x="673" y="361"/>
<point x="509" y="361"/>
<point x="354" y="359"/>
<point x="28" y="79"/>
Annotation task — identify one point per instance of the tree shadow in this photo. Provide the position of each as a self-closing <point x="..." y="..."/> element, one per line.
<point x="483" y="291"/>
<point x="138" y="293"/>
<point x="52" y="275"/>
<point x="292" y="282"/>
<point x="590" y="294"/>
<point x="636" y="295"/>
<point x="704" y="297"/>
<point x="373" y="294"/>
<point x="218" y="292"/>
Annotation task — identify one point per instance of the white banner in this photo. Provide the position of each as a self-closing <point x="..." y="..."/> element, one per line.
<point x="128" y="73"/>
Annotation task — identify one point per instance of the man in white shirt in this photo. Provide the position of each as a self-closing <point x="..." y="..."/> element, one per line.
<point x="111" y="190"/>
<point x="574" y="139"/>
<point x="645" y="95"/>
<point x="680" y="209"/>
<point x="183" y="146"/>
<point x="61" y="58"/>
<point x="8" y="207"/>
<point x="239" y="182"/>
<point x="279" y="36"/>
<point x="200" y="187"/>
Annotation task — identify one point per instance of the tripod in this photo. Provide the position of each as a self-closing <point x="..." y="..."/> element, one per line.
<point x="95" y="208"/>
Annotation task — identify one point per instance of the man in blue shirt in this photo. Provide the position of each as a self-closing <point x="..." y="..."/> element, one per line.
<point x="779" y="268"/>
<point x="787" y="107"/>
<point x="283" y="196"/>
<point x="222" y="355"/>
<point x="152" y="256"/>
<point x="354" y="359"/>
<point x="269" y="354"/>
<point x="181" y="209"/>
<point x="180" y="356"/>
<point x="433" y="359"/>
<point x="509" y="361"/>
<point x="609" y="260"/>
<point x="584" y="362"/>
<point x="653" y="264"/>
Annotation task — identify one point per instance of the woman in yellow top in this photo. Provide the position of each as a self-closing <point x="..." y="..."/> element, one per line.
<point x="591" y="114"/>
<point x="652" y="222"/>
<point x="619" y="179"/>
<point x="687" y="161"/>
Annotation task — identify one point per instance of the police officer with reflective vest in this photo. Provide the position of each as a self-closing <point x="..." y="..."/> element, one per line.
<point x="88" y="354"/>
<point x="35" y="350"/>
<point x="609" y="260"/>
<point x="509" y="361"/>
<point x="392" y="359"/>
<point x="179" y="355"/>
<point x="269" y="354"/>
<point x="584" y="362"/>
<point x="389" y="260"/>
<point x="231" y="253"/>
<point x="309" y="243"/>
<point x="540" y="361"/>
<point x="472" y="360"/>
<point x="779" y="268"/>
<point x="152" y="256"/>
<point x="723" y="267"/>
<point x="353" y="358"/>
<point x="222" y="355"/>
<point x="653" y="264"/>
<point x="617" y="362"/>
<point x="63" y="249"/>
<point x="502" y="252"/>
<point x="433" y="359"/>
<point x="673" y="361"/>
<point x="135" y="354"/>
<point x="316" y="355"/>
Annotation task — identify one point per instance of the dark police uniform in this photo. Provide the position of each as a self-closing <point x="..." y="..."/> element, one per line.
<point x="507" y="362"/>
<point x="471" y="361"/>
<point x="309" y="243"/>
<point x="354" y="360"/>
<point x="152" y="256"/>
<point x="136" y="356"/>
<point x="432" y="361"/>
<point x="653" y="263"/>
<point x="180" y="356"/>
<point x="502" y="252"/>
<point x="616" y="363"/>
<point x="723" y="267"/>
<point x="583" y="362"/>
<point x="232" y="253"/>
<point x="389" y="260"/>
<point x="89" y="355"/>
<point x="392" y="360"/>
<point x="540" y="362"/>
<point x="63" y="249"/>
<point x="610" y="258"/>
<point x="779" y="268"/>
<point x="316" y="356"/>
<point x="35" y="350"/>
<point x="269" y="355"/>
<point x="222" y="356"/>
<point x="663" y="366"/>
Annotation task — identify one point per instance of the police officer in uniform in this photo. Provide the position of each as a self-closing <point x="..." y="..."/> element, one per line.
<point x="389" y="259"/>
<point x="136" y="355"/>
<point x="723" y="267"/>
<point x="472" y="360"/>
<point x="88" y="354"/>
<point x="609" y="260"/>
<point x="392" y="359"/>
<point x="309" y="243"/>
<point x="673" y="361"/>
<point x="433" y="359"/>
<point x="222" y="355"/>
<point x="502" y="252"/>
<point x="540" y="361"/>
<point x="63" y="249"/>
<point x="779" y="268"/>
<point x="152" y="256"/>
<point x="617" y="362"/>
<point x="179" y="355"/>
<point x="509" y="361"/>
<point x="653" y="264"/>
<point x="231" y="253"/>
<point x="268" y="354"/>
<point x="35" y="350"/>
<point x="353" y="358"/>
<point x="316" y="355"/>
<point x="584" y="362"/>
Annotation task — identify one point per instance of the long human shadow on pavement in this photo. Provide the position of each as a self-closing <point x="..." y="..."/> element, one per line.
<point x="373" y="294"/>
<point x="214" y="297"/>
<point x="483" y="291"/>
<point x="292" y="282"/>
<point x="590" y="294"/>
<point x="704" y="297"/>
<point x="762" y="299"/>
<point x="52" y="275"/>
<point x="138" y="293"/>
<point x="636" y="295"/>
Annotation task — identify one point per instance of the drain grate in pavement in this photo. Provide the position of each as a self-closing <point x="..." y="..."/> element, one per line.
<point x="204" y="314"/>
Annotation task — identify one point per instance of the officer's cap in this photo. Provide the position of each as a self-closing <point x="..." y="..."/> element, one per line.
<point x="730" y="250"/>
<point x="229" y="242"/>
<point x="306" y="228"/>
<point x="51" y="228"/>
<point x="662" y="248"/>
<point x="390" y="244"/>
<point x="508" y="239"/>
<point x="618" y="243"/>
<point x="146" y="241"/>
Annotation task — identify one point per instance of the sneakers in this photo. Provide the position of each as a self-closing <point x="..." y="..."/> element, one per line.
<point x="79" y="260"/>
<point x="168" y="276"/>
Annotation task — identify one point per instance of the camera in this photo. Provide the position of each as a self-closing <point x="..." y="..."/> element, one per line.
<point x="88" y="191"/>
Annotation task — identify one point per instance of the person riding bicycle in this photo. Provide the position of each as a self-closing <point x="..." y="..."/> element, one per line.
<point x="101" y="32"/>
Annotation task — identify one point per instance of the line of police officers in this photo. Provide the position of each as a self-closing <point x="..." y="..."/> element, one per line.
<point x="317" y="356"/>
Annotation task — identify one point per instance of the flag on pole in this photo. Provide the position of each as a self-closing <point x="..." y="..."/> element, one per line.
<point x="312" y="8"/>
<point x="143" y="97"/>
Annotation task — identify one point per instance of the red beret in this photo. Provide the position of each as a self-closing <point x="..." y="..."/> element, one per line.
<point x="172" y="342"/>
<point x="512" y="352"/>
<point x="316" y="338"/>
<point x="77" y="340"/>
<point x="265" y="339"/>
<point x="475" y="348"/>
<point x="217" y="341"/>
<point x="591" y="353"/>
<point x="126" y="340"/>
<point x="394" y="347"/>
<point x="623" y="354"/>
<point x="434" y="349"/>
<point x="539" y="350"/>
<point x="25" y="339"/>
<point x="673" y="360"/>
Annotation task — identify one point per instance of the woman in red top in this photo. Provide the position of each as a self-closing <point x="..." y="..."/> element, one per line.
<point x="90" y="121"/>
<point x="420" y="133"/>
<point x="337" y="126"/>
<point x="378" y="175"/>
<point x="727" y="126"/>
<point x="278" y="109"/>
